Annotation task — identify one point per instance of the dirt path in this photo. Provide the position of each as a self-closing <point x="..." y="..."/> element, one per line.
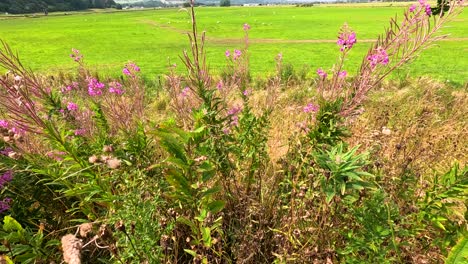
<point x="221" y="41"/>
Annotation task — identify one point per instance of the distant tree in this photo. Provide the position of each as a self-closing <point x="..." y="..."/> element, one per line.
<point x="225" y="3"/>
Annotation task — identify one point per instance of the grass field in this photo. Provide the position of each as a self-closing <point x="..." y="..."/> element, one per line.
<point x="152" y="38"/>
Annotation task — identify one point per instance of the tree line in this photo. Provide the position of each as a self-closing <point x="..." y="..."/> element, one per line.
<point x="33" y="6"/>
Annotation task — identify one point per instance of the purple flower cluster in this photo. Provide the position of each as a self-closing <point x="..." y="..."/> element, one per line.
<point x="342" y="74"/>
<point x="76" y="55"/>
<point x="4" y="179"/>
<point x="233" y="113"/>
<point x="309" y="108"/>
<point x="6" y="151"/>
<point x="80" y="132"/>
<point x="116" y="88"/>
<point x="68" y="88"/>
<point x="426" y="6"/>
<point x="246" y="27"/>
<point x="72" y="106"/>
<point x="5" y="204"/>
<point x="379" y="57"/>
<point x="95" y="87"/>
<point x="346" y="40"/>
<point x="322" y="73"/>
<point x="235" y="56"/>
<point x="185" y="92"/>
<point x="4" y="124"/>
<point x="130" y="68"/>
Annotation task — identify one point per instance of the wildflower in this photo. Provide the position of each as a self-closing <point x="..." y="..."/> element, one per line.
<point x="235" y="110"/>
<point x="56" y="155"/>
<point x="310" y="108"/>
<point x="185" y="92"/>
<point x="126" y="71"/>
<point x="322" y="73"/>
<point x="116" y="88"/>
<point x="18" y="78"/>
<point x="226" y="130"/>
<point x="342" y="74"/>
<point x="379" y="57"/>
<point x="234" y="121"/>
<point x="5" y="204"/>
<point x="237" y="54"/>
<point x="4" y="123"/>
<point x="76" y="56"/>
<point x="426" y="6"/>
<point x="412" y="8"/>
<point x="219" y="86"/>
<point x="347" y="38"/>
<point x="246" y="27"/>
<point x="227" y="54"/>
<point x="6" y="151"/>
<point x="94" y="87"/>
<point x="72" y="106"/>
<point x="6" y="178"/>
<point x="80" y="132"/>
<point x="247" y="92"/>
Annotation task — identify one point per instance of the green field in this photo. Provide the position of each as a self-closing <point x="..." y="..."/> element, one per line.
<point x="151" y="38"/>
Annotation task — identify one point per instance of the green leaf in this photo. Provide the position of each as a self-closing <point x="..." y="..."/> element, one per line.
<point x="191" y="252"/>
<point x="459" y="253"/>
<point x="216" y="206"/>
<point x="11" y="225"/>
<point x="206" y="233"/>
<point x="189" y="223"/>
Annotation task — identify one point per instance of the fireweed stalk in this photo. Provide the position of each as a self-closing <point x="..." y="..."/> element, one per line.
<point x="401" y="43"/>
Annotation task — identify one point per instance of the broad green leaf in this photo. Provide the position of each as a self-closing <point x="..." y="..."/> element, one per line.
<point x="189" y="223"/>
<point x="206" y="233"/>
<point x="216" y="206"/>
<point x="191" y="252"/>
<point x="459" y="253"/>
<point x="11" y="225"/>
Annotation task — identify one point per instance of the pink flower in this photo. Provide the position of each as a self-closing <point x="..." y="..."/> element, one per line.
<point x="237" y="54"/>
<point x="76" y="56"/>
<point x="310" y="108"/>
<point x="247" y="92"/>
<point x="322" y="73"/>
<point x="227" y="53"/>
<point x="80" y="132"/>
<point x="72" y="106"/>
<point x="4" y="123"/>
<point x="185" y="92"/>
<point x="412" y="8"/>
<point x="126" y="71"/>
<point x="246" y="27"/>
<point x="219" y="85"/>
<point x="346" y="40"/>
<point x="235" y="110"/>
<point x="342" y="74"/>
<point x="95" y="87"/>
<point x="115" y="88"/>
<point x="379" y="57"/>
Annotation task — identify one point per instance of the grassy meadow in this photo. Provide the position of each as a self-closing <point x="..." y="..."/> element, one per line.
<point x="153" y="38"/>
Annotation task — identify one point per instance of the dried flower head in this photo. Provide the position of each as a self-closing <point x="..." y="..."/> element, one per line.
<point x="71" y="246"/>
